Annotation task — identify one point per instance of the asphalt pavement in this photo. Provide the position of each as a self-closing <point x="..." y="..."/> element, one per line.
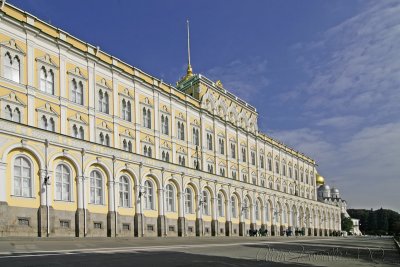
<point x="211" y="251"/>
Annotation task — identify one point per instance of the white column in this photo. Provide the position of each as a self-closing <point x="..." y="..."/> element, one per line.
<point x="3" y="168"/>
<point x="137" y="121"/>
<point x="202" y="142"/>
<point x="80" y="180"/>
<point x="30" y="57"/>
<point x="156" y="125"/>
<point x="42" y="186"/>
<point x="111" y="195"/>
<point x="116" y="108"/>
<point x="181" y="199"/>
<point x="160" y="196"/>
<point x="92" y="100"/>
<point x="173" y="135"/>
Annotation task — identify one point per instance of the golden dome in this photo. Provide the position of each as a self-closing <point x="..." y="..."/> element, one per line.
<point x="320" y="180"/>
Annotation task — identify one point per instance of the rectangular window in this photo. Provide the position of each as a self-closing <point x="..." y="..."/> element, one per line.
<point x="207" y="230"/>
<point x="190" y="229"/>
<point x="150" y="227"/>
<point x="171" y="228"/>
<point x="23" y="221"/>
<point x="97" y="225"/>
<point x="64" y="224"/>
<point x="126" y="226"/>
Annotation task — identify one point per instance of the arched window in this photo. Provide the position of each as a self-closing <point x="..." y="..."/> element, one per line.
<point x="209" y="141"/>
<point x="243" y="154"/>
<point x="126" y="110"/>
<point x="8" y="113"/>
<point x="101" y="138"/>
<point x="103" y="101"/>
<point x="129" y="146"/>
<point x="43" y="122"/>
<point x="77" y="92"/>
<point x="167" y="157"/>
<point x="52" y="125"/>
<point x="220" y="205"/>
<point x="194" y="137"/>
<point x="148" y="195"/>
<point x="145" y="118"/>
<point x="149" y="118"/>
<point x="22" y="177"/>
<point x="75" y="131"/>
<point x="46" y="81"/>
<point x="107" y="140"/>
<point x="43" y="75"/>
<point x="221" y="146"/>
<point x="206" y="203"/>
<point x="11" y="68"/>
<point x="188" y="200"/>
<point x="124" y="198"/>
<point x="7" y="66"/>
<point x="125" y="145"/>
<point x="63" y="183"/>
<point x="276" y="166"/>
<point x="170" y="198"/>
<point x="269" y="164"/>
<point x="96" y="187"/>
<point x="233" y="207"/>
<point x="81" y="133"/>
<point x="166" y="126"/>
<point x="16" y="115"/>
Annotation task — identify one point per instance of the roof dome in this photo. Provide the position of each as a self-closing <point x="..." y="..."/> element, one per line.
<point x="325" y="187"/>
<point x="334" y="190"/>
<point x="320" y="180"/>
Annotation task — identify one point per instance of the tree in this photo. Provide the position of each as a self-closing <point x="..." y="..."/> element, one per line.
<point x="347" y="224"/>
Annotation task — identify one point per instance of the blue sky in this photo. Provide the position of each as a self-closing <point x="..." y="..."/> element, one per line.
<point x="324" y="75"/>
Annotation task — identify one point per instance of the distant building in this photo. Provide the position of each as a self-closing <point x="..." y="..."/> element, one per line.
<point x="332" y="196"/>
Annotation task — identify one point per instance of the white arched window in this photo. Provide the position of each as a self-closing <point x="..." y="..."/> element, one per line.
<point x="77" y="92"/>
<point x="146" y="118"/>
<point x="206" y="203"/>
<point x="196" y="139"/>
<point x="221" y="146"/>
<point x="170" y="198"/>
<point x="16" y="115"/>
<point x="126" y="110"/>
<point x="96" y="187"/>
<point x="46" y="81"/>
<point x="164" y="125"/>
<point x="209" y="141"/>
<point x="103" y="105"/>
<point x="22" y="177"/>
<point x="11" y="68"/>
<point x="181" y="131"/>
<point x="148" y="195"/>
<point x="124" y="196"/>
<point x="220" y="205"/>
<point x="8" y="115"/>
<point x="233" y="207"/>
<point x="63" y="183"/>
<point x="188" y="200"/>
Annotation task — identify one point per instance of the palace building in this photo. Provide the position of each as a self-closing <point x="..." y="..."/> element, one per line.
<point x="92" y="146"/>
